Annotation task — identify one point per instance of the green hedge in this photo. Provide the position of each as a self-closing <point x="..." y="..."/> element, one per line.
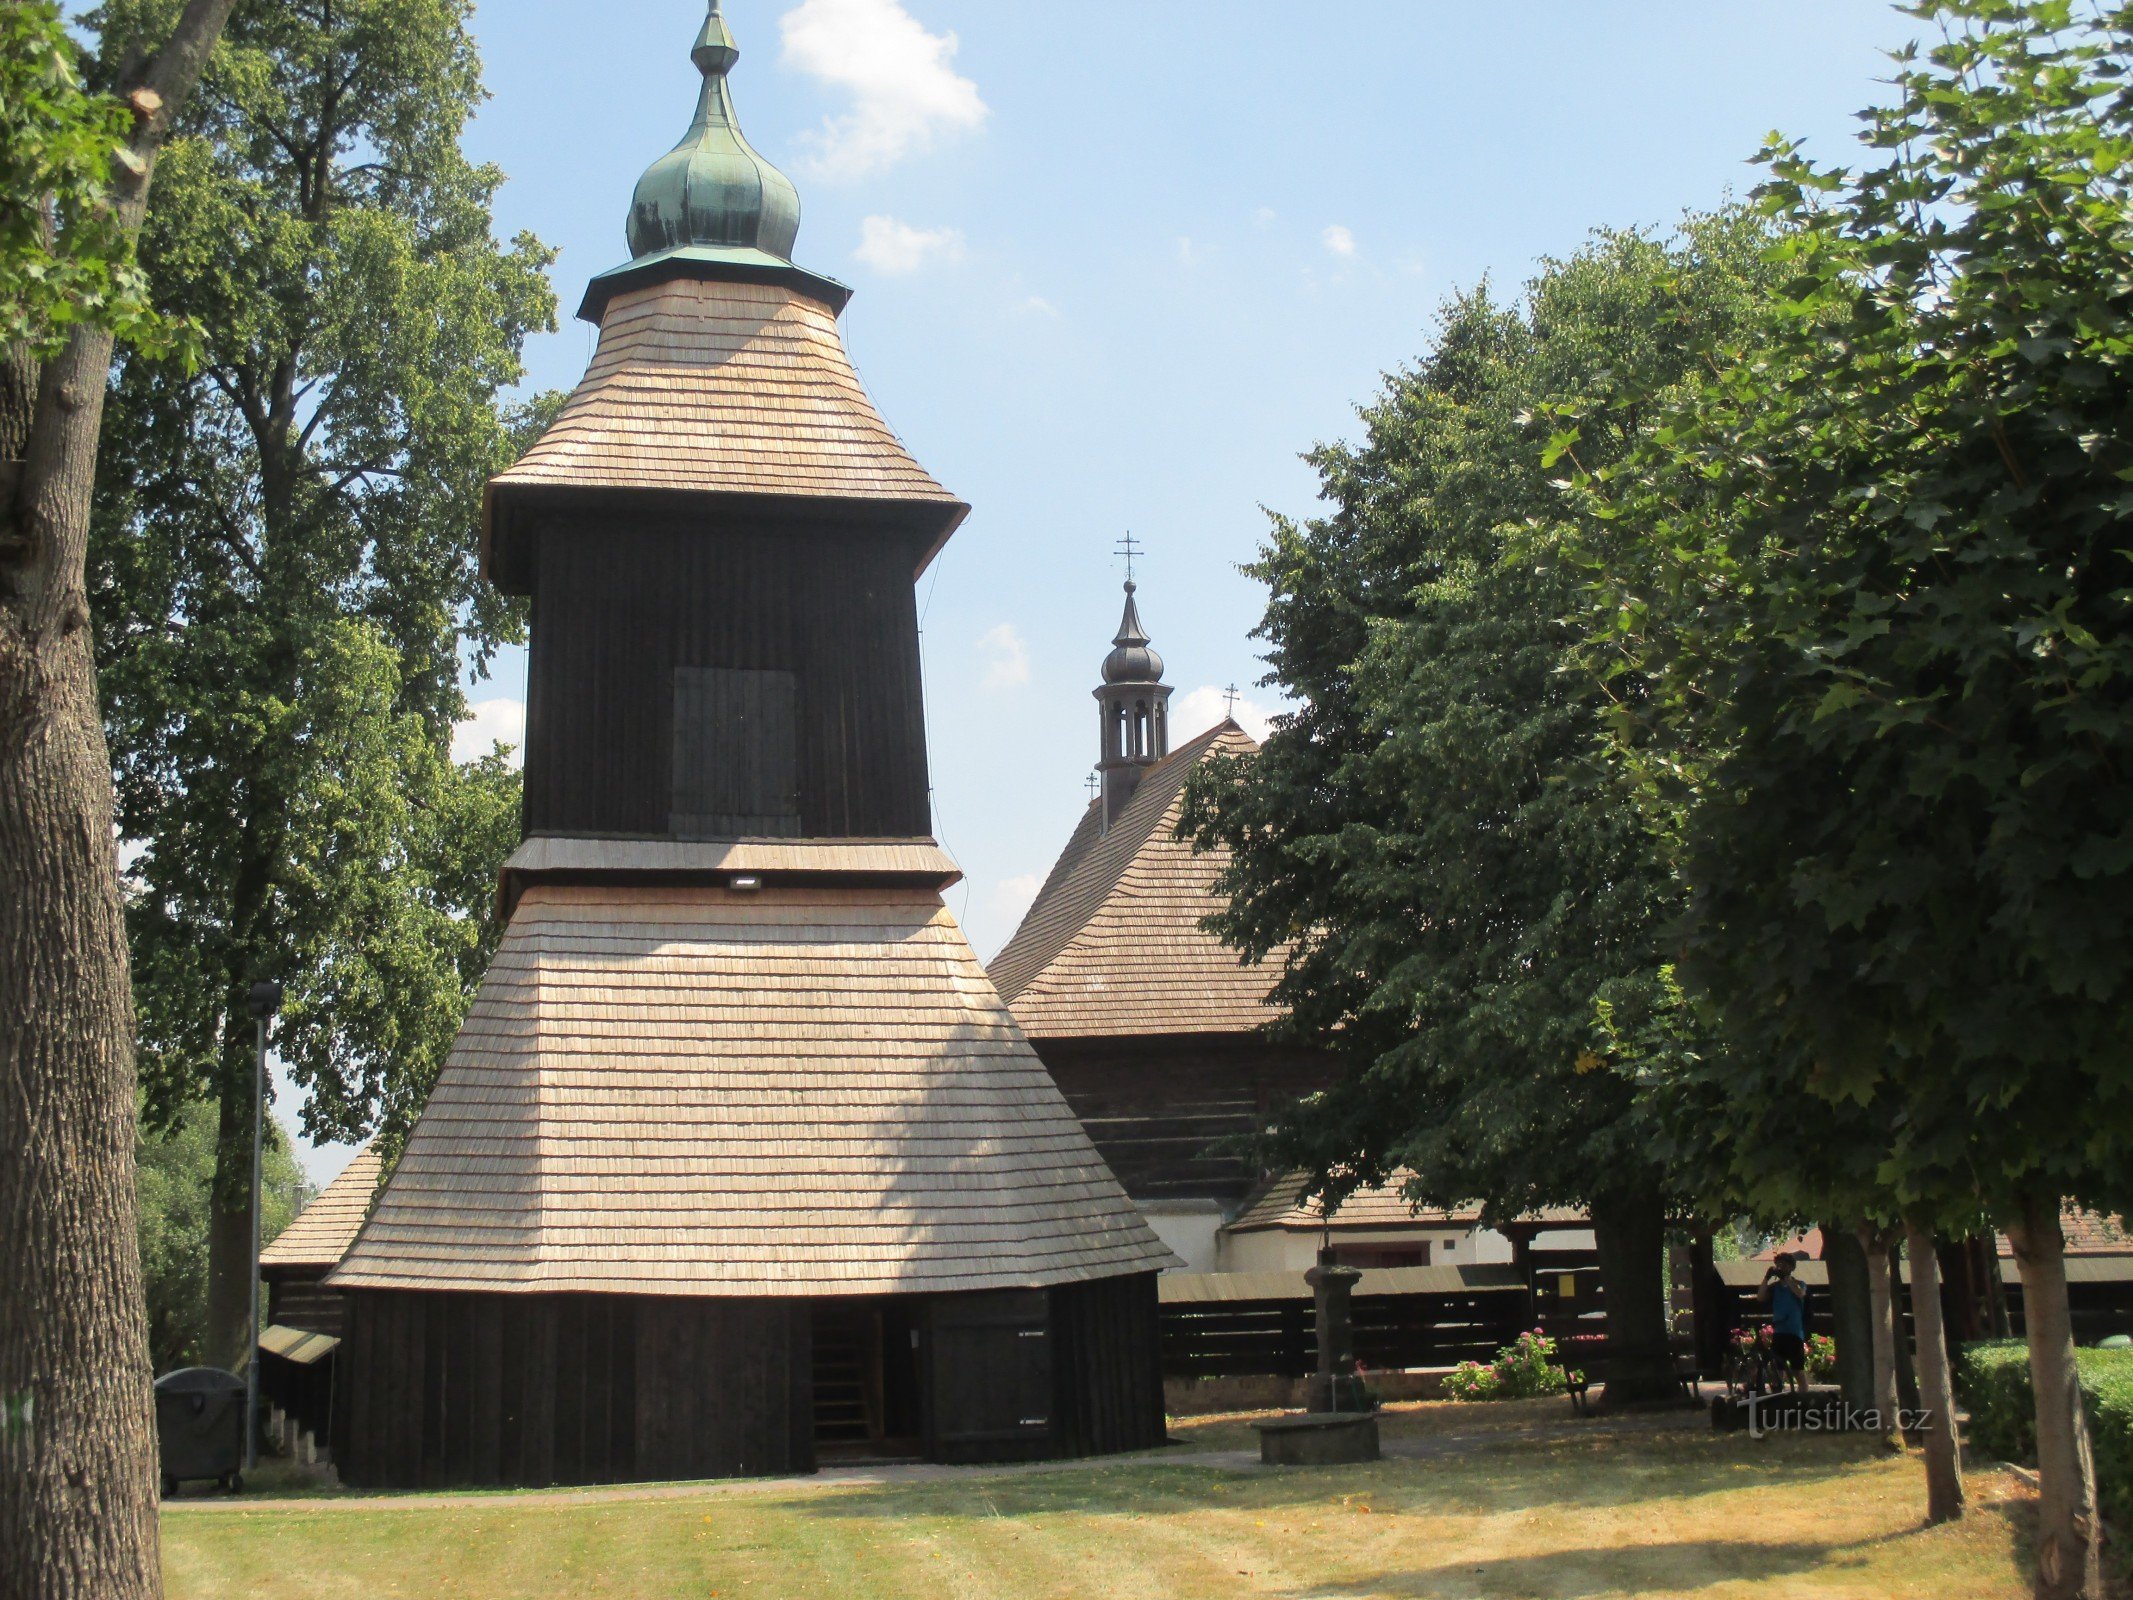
<point x="1994" y="1382"/>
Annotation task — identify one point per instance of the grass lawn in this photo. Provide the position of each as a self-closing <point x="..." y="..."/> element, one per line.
<point x="1486" y="1510"/>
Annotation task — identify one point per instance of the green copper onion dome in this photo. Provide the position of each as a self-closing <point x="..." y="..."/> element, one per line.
<point x="713" y="190"/>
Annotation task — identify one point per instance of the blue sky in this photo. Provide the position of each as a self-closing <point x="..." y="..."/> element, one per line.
<point x="1119" y="264"/>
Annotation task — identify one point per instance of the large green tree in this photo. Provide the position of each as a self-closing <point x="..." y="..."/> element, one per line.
<point x="77" y="1445"/>
<point x="1456" y="877"/>
<point x="174" y="1178"/>
<point x="1881" y="575"/>
<point x="284" y="574"/>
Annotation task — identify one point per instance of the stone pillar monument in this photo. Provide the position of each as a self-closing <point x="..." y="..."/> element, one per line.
<point x="1335" y="1387"/>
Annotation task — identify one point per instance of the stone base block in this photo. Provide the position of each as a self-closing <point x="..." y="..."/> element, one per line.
<point x="1319" y="1439"/>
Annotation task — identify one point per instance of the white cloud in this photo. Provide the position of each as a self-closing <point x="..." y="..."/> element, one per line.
<point x="891" y="246"/>
<point x="904" y="91"/>
<point x="1006" y="658"/>
<point x="1197" y="710"/>
<point x="1339" y="240"/>
<point x="1037" y="306"/>
<point x="1186" y="254"/>
<point x="488" y="724"/>
<point x="1264" y="217"/>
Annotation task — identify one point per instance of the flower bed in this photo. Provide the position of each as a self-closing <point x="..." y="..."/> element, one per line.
<point x="1520" y="1371"/>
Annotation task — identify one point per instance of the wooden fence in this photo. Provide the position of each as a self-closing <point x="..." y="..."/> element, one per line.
<point x="2098" y="1288"/>
<point x="1261" y="1324"/>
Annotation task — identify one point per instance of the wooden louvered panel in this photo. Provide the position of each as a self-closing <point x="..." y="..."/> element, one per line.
<point x="736" y="754"/>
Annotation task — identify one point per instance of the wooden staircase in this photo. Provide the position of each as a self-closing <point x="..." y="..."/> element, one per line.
<point x="847" y="1354"/>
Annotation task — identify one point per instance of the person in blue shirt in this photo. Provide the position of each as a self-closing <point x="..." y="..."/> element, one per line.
<point x="1787" y="1299"/>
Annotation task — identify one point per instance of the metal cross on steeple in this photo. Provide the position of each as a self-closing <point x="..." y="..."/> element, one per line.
<point x="1129" y="547"/>
<point x="1094" y="785"/>
<point x="1229" y="701"/>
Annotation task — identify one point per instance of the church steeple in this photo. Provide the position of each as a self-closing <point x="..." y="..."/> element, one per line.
<point x="713" y="189"/>
<point x="713" y="207"/>
<point x="1135" y="707"/>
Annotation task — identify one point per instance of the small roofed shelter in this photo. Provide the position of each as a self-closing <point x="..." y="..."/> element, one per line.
<point x="293" y="1267"/>
<point x="1151" y="1027"/>
<point x="739" y="1161"/>
<point x="1379" y="1228"/>
<point x="299" y="1349"/>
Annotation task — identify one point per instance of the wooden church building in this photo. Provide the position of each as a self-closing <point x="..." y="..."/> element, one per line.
<point x="1155" y="1032"/>
<point x="1149" y="1024"/>
<point x="739" y="1161"/>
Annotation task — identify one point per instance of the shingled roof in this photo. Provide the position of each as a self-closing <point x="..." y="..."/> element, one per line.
<point x="724" y="387"/>
<point x="696" y="1090"/>
<point x="323" y="1230"/>
<point x="1280" y="1205"/>
<point x="1113" y="944"/>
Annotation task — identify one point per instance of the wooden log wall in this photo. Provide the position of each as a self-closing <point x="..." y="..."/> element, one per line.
<point x="621" y="604"/>
<point x="296" y="1299"/>
<point x="1107" y="1367"/>
<point x="470" y="1390"/>
<point x="1155" y="1107"/>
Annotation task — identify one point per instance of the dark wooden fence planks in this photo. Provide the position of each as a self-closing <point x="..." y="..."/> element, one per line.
<point x="1262" y="1325"/>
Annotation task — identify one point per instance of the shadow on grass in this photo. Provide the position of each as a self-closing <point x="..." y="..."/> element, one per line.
<point x="1507" y="1477"/>
<point x="1579" y="1574"/>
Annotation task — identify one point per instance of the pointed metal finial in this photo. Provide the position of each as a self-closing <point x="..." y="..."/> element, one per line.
<point x="714" y="191"/>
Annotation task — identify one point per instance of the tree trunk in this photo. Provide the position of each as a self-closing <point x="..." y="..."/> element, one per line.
<point x="1851" y="1305"/>
<point x="1875" y="1247"/>
<point x="230" y="1341"/>
<point x="1630" y="1232"/>
<point x="1936" y="1388"/>
<point x="77" y="1485"/>
<point x="2069" y="1540"/>
<point x="1714" y="1322"/>
<point x="77" y="1430"/>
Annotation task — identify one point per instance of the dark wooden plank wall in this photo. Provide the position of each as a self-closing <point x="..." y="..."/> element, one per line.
<point x="618" y="608"/>
<point x="1107" y="1367"/>
<point x="297" y="1299"/>
<point x="1155" y="1106"/>
<point x="444" y="1390"/>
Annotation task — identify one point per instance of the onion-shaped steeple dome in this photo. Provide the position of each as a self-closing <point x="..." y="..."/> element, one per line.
<point x="713" y="189"/>
<point x="1131" y="660"/>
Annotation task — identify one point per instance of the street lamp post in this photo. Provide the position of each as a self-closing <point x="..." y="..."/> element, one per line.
<point x="263" y="1002"/>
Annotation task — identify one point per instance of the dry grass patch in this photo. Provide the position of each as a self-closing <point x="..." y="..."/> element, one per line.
<point x="1598" y="1515"/>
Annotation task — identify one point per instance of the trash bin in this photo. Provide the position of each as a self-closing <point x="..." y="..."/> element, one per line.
<point x="200" y="1427"/>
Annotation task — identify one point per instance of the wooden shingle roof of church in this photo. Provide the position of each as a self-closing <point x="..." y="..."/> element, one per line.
<point x="729" y="388"/>
<point x="1113" y="945"/>
<point x="323" y="1230"/>
<point x="704" y="1091"/>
